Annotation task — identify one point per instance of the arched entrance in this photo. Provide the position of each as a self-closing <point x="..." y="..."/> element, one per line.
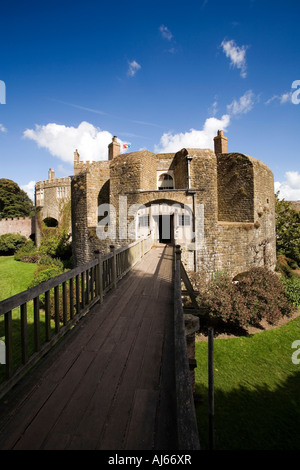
<point x="50" y="222"/>
<point x="168" y="221"/>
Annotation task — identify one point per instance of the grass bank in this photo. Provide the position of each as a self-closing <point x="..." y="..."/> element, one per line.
<point x="15" y="276"/>
<point x="257" y="389"/>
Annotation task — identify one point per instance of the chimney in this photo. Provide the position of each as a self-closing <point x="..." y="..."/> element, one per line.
<point x="51" y="174"/>
<point x="221" y="143"/>
<point x="114" y="148"/>
<point x="76" y="156"/>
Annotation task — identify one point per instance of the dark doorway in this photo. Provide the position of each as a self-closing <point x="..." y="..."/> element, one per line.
<point x="50" y="222"/>
<point x="166" y="228"/>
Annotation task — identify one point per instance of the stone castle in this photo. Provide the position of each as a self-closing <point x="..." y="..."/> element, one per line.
<point x="219" y="206"/>
<point x="50" y="196"/>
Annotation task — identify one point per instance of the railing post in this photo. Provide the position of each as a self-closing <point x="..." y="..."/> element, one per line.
<point x="114" y="266"/>
<point x="99" y="276"/>
<point x="142" y="246"/>
<point x="177" y="255"/>
<point x="211" y="387"/>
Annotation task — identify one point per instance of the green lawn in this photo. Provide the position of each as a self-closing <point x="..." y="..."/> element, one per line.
<point x="257" y="391"/>
<point x="14" y="276"/>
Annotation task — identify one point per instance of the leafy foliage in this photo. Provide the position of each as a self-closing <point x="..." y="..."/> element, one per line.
<point x="26" y="251"/>
<point x="292" y="290"/>
<point x="10" y="243"/>
<point x="287" y="230"/>
<point x="45" y="275"/>
<point x="257" y="294"/>
<point x="14" y="202"/>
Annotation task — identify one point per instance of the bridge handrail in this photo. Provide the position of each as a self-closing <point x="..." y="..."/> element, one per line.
<point x="65" y="299"/>
<point x="23" y="297"/>
<point x="187" y="430"/>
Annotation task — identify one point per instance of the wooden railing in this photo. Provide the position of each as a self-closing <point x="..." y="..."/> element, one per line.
<point x="187" y="429"/>
<point x="34" y="320"/>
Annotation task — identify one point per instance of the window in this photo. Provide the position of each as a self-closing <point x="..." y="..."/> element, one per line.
<point x="61" y="192"/>
<point x="165" y="181"/>
<point x="40" y="194"/>
<point x="184" y="220"/>
<point x="144" y="221"/>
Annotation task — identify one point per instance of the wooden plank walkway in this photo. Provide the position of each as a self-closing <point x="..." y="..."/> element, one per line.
<point x="109" y="384"/>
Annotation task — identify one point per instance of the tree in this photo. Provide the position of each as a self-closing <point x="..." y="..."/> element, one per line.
<point x="14" y="202"/>
<point x="287" y="230"/>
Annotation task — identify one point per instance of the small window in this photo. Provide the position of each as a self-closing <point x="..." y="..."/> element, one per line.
<point x="165" y="181"/>
<point x="184" y="220"/>
<point x="61" y="192"/>
<point x="144" y="221"/>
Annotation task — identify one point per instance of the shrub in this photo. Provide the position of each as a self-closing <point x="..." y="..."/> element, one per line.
<point x="224" y="301"/>
<point x="255" y="295"/>
<point x="45" y="275"/>
<point x="47" y="261"/>
<point x="58" y="246"/>
<point x="26" y="252"/>
<point x="264" y="295"/>
<point x="10" y="243"/>
<point x="286" y="266"/>
<point x="292" y="290"/>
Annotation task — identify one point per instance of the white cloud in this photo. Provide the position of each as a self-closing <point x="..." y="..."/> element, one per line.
<point x="290" y="188"/>
<point x="236" y="54"/>
<point x="194" y="138"/>
<point x="214" y="108"/>
<point x="243" y="105"/>
<point x="165" y="32"/>
<point x="204" y="138"/>
<point x="133" y="67"/>
<point x="283" y="98"/>
<point x="29" y="189"/>
<point x="2" y="128"/>
<point x="61" y="141"/>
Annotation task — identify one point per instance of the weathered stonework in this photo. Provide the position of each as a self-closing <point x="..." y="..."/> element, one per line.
<point x="226" y="201"/>
<point x="19" y="225"/>
<point x="51" y="195"/>
<point x="295" y="205"/>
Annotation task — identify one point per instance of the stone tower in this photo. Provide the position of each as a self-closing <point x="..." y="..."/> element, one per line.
<point x="219" y="206"/>
<point x="51" y="195"/>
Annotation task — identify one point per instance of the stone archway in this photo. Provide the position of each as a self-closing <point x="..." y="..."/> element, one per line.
<point x="169" y="221"/>
<point x="50" y="222"/>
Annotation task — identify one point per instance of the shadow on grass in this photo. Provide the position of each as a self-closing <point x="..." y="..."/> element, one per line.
<point x="16" y="338"/>
<point x="258" y="419"/>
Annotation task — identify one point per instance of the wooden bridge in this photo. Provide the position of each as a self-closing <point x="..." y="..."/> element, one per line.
<point x="103" y="364"/>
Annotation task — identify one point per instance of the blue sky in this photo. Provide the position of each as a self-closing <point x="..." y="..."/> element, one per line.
<point x="161" y="75"/>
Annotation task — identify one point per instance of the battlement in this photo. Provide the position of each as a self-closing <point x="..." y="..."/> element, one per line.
<point x="53" y="182"/>
<point x="18" y="225"/>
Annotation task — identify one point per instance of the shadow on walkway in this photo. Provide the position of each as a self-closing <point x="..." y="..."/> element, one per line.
<point x="109" y="384"/>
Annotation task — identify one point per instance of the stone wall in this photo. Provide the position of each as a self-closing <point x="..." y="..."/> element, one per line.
<point x="51" y="195"/>
<point x="235" y="188"/>
<point x="23" y="226"/>
<point x="231" y="199"/>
